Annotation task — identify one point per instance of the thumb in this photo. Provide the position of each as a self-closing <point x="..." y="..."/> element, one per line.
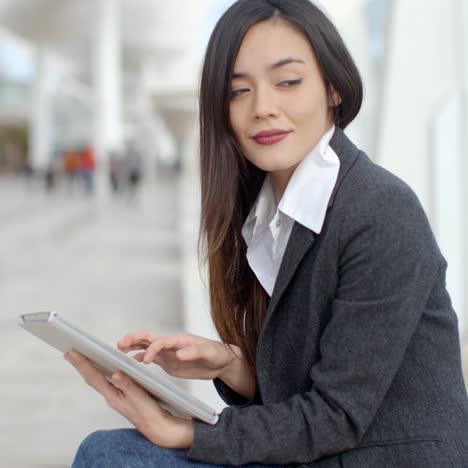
<point x="130" y="389"/>
<point x="122" y="381"/>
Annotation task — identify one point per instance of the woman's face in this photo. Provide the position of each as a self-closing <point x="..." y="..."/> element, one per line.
<point x="277" y="89"/>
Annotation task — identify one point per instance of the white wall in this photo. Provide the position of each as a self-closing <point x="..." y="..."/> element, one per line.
<point x="413" y="119"/>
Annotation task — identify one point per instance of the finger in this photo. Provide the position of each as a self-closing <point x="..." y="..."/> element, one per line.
<point x="139" y="357"/>
<point x="134" y="347"/>
<point x="122" y="381"/>
<point x="135" y="338"/>
<point x="128" y="387"/>
<point x="133" y="404"/>
<point x="167" y="343"/>
<point x="92" y="376"/>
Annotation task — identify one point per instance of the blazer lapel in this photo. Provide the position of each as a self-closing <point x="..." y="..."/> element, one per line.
<point x="300" y="241"/>
<point x="302" y="238"/>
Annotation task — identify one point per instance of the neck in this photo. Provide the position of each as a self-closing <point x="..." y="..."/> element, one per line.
<point x="281" y="179"/>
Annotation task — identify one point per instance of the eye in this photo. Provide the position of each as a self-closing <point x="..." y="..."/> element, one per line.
<point x="289" y="83"/>
<point x="238" y="92"/>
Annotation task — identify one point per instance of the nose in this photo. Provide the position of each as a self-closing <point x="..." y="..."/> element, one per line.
<point x="264" y="103"/>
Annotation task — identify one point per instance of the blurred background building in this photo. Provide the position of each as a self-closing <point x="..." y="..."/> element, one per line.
<point x="99" y="196"/>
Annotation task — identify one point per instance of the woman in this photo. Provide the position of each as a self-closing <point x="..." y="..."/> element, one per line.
<point x="339" y="347"/>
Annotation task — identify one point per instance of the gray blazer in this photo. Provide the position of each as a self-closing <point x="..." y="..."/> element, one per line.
<point x="358" y="361"/>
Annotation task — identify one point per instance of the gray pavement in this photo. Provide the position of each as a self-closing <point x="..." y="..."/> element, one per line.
<point x="112" y="267"/>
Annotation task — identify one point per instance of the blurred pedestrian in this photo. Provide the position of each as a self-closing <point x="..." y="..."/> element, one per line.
<point x="50" y="178"/>
<point x="134" y="169"/>
<point x="118" y="173"/>
<point x="88" y="165"/>
<point x="28" y="173"/>
<point x="72" y="165"/>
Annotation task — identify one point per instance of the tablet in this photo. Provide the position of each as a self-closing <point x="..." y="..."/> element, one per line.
<point x="65" y="336"/>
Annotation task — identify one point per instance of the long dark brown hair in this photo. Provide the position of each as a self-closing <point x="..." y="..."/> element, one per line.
<point x="229" y="182"/>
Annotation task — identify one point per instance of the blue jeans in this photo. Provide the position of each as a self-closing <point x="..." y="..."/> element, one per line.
<point x="127" y="448"/>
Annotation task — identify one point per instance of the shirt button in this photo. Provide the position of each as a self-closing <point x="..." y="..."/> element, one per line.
<point x="278" y="223"/>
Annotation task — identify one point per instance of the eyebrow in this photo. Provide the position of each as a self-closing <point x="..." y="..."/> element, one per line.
<point x="278" y="64"/>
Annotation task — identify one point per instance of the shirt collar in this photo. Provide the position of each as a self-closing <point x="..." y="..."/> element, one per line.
<point x="306" y="196"/>
<point x="309" y="190"/>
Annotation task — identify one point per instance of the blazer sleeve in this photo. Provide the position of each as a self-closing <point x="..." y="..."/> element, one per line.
<point x="388" y="263"/>
<point x="232" y="398"/>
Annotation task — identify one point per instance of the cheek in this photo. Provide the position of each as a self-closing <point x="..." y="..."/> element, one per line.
<point x="235" y="127"/>
<point x="315" y="116"/>
<point x="311" y="107"/>
<point x="236" y="121"/>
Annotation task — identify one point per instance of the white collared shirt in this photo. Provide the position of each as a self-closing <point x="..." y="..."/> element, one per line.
<point x="268" y="226"/>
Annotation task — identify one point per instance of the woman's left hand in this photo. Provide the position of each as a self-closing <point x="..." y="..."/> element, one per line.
<point x="134" y="403"/>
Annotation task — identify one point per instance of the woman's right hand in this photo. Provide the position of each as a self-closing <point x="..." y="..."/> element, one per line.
<point x="185" y="355"/>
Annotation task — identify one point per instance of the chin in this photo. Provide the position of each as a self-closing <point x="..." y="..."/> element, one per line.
<point x="273" y="164"/>
<point x="282" y="166"/>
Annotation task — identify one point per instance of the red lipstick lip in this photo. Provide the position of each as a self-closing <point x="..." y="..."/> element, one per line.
<point x="270" y="133"/>
<point x="270" y="137"/>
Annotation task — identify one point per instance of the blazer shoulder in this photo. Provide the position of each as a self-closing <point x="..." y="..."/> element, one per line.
<point x="360" y="178"/>
<point x="368" y="185"/>
<point x="374" y="200"/>
<point x="375" y="207"/>
<point x="366" y="190"/>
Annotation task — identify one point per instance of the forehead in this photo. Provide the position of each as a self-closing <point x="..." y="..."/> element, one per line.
<point x="268" y="41"/>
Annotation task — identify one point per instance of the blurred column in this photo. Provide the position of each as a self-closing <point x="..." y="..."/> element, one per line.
<point x="351" y="21"/>
<point x="180" y="116"/>
<point x="107" y="51"/>
<point x="421" y="75"/>
<point x="41" y="125"/>
<point x="156" y="142"/>
<point x="197" y="317"/>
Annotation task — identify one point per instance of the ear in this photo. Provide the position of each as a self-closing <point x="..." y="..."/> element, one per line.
<point x="334" y="99"/>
